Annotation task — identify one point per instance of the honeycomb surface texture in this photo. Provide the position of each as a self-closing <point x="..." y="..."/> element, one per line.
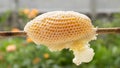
<point x="64" y="29"/>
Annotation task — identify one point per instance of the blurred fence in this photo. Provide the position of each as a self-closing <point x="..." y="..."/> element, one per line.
<point x="76" y="5"/>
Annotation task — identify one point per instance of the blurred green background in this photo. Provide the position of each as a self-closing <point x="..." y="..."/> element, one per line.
<point x="22" y="52"/>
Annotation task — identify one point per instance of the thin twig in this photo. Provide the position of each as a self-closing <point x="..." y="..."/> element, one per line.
<point x="9" y="33"/>
<point x="22" y="33"/>
<point x="108" y="30"/>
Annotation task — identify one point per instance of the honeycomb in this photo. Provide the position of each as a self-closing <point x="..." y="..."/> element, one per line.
<point x="64" y="29"/>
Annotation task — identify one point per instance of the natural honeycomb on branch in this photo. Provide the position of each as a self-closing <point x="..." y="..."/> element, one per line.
<point x="64" y="29"/>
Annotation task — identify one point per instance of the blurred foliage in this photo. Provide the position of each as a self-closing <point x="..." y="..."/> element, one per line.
<point x="29" y="55"/>
<point x="21" y="53"/>
<point x="9" y="19"/>
<point x="4" y="17"/>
